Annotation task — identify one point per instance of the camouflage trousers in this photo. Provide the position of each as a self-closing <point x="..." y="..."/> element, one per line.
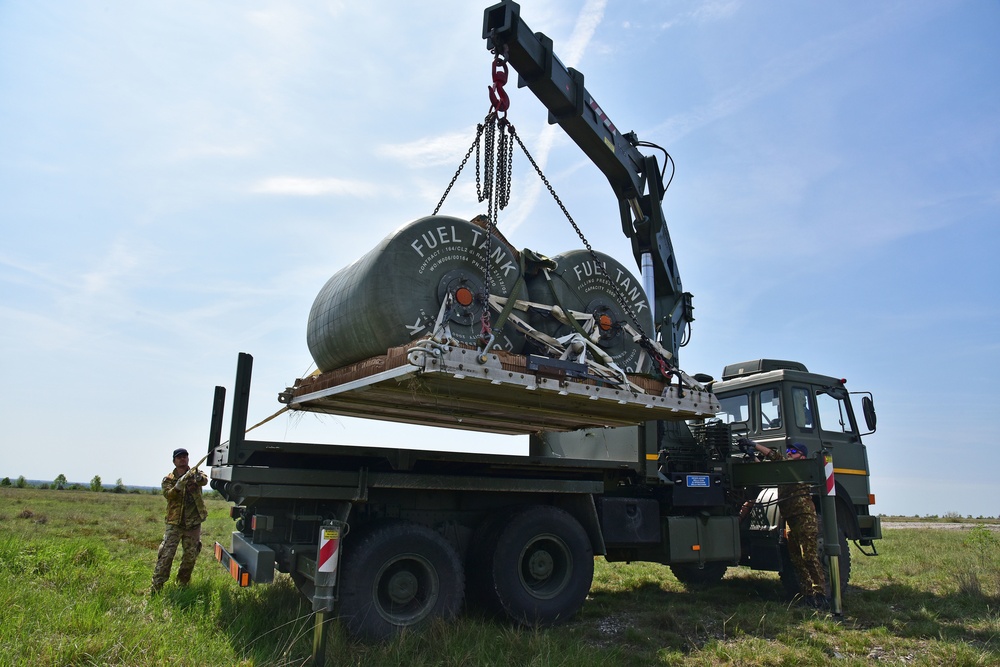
<point x="803" y="537"/>
<point x="189" y="540"/>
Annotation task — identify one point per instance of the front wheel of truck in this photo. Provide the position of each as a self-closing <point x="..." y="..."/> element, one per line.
<point x="398" y="575"/>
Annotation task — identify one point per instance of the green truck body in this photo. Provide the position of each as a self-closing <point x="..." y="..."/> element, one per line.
<point x="520" y="532"/>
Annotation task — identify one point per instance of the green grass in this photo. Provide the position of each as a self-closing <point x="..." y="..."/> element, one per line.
<point x="75" y="569"/>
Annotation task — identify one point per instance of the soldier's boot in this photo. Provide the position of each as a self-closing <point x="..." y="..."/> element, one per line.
<point x="184" y="575"/>
<point x="155" y="589"/>
<point x="158" y="581"/>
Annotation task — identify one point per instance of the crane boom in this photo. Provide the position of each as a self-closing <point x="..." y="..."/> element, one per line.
<point x="634" y="177"/>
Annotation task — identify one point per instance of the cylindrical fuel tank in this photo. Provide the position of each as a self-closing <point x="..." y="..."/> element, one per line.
<point x="579" y="284"/>
<point x="393" y="294"/>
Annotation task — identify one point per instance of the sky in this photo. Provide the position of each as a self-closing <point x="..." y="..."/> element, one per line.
<point x="179" y="179"/>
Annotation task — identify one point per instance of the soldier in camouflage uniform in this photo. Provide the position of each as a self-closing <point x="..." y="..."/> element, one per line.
<point x="185" y="513"/>
<point x="799" y="513"/>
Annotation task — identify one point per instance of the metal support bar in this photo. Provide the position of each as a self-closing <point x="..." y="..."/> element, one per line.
<point x="831" y="536"/>
<point x="325" y="571"/>
<point x="319" y="639"/>
<point x="241" y="402"/>
<point x="776" y="472"/>
<point x="248" y="486"/>
<point x="562" y="92"/>
<point x="215" y="452"/>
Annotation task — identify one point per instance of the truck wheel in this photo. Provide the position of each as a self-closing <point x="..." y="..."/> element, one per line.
<point x="790" y="578"/>
<point x="693" y="576"/>
<point x="398" y="575"/>
<point x="538" y="568"/>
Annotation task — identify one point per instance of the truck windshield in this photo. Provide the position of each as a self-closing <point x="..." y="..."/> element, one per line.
<point x="833" y="414"/>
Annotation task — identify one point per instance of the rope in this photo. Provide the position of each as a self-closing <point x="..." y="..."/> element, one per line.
<point x="261" y="423"/>
<point x="264" y="421"/>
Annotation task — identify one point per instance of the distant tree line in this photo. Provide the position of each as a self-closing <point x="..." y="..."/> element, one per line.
<point x="96" y="485"/>
<point x="61" y="483"/>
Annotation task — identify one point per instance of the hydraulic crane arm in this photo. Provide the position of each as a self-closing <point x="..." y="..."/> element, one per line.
<point x="634" y="177"/>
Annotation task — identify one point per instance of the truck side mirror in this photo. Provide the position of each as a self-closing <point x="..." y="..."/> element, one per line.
<point x="868" y="408"/>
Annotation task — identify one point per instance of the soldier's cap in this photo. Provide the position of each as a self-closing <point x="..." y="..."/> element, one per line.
<point x="180" y="452"/>
<point x="796" y="447"/>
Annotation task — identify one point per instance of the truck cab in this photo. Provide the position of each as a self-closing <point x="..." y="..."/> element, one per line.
<point x="780" y="402"/>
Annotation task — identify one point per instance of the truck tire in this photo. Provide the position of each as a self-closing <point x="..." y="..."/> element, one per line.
<point x="398" y="575"/>
<point x="790" y="578"/>
<point x="537" y="566"/>
<point x="693" y="576"/>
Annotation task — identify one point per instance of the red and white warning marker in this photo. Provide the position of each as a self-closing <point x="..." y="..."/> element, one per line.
<point x="830" y="491"/>
<point x="329" y="549"/>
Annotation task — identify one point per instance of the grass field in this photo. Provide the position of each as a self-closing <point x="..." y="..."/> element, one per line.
<point x="75" y="567"/>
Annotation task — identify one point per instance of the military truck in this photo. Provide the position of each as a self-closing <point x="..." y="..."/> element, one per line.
<point x="628" y="468"/>
<point x="778" y="403"/>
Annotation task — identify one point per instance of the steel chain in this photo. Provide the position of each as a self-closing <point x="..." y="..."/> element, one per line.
<point x="489" y="164"/>
<point x="646" y="342"/>
<point x="494" y="174"/>
<point x="496" y="192"/>
<point x="494" y="171"/>
<point x="454" y="179"/>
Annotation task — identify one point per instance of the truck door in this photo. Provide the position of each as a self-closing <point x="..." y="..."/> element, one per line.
<point x="839" y="433"/>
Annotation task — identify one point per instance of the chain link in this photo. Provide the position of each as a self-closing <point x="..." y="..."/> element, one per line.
<point x="454" y="179"/>
<point x="497" y="170"/>
<point x="645" y="341"/>
<point x="494" y="171"/>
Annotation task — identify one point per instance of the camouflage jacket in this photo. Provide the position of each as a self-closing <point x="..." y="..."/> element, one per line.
<point x="794" y="500"/>
<point x="185" y="508"/>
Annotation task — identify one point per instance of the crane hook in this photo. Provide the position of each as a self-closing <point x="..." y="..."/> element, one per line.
<point x="499" y="100"/>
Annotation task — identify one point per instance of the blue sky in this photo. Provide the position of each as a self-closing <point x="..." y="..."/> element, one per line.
<point x="179" y="179"/>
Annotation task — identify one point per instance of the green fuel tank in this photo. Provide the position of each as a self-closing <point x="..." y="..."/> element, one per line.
<point x="394" y="293"/>
<point x="578" y="283"/>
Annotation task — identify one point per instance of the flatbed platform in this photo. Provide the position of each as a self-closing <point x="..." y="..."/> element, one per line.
<point x="496" y="393"/>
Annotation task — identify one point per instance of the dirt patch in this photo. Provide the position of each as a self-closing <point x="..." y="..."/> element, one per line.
<point x="939" y="525"/>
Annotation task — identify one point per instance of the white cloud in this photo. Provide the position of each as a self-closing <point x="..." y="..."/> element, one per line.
<point x="716" y="10"/>
<point x="586" y="24"/>
<point x="783" y="70"/>
<point x="213" y="150"/>
<point x="589" y="19"/>
<point x="122" y="260"/>
<point x="446" y="149"/>
<point x="316" y="187"/>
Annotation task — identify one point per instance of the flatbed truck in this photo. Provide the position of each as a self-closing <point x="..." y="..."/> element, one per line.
<point x="388" y="539"/>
